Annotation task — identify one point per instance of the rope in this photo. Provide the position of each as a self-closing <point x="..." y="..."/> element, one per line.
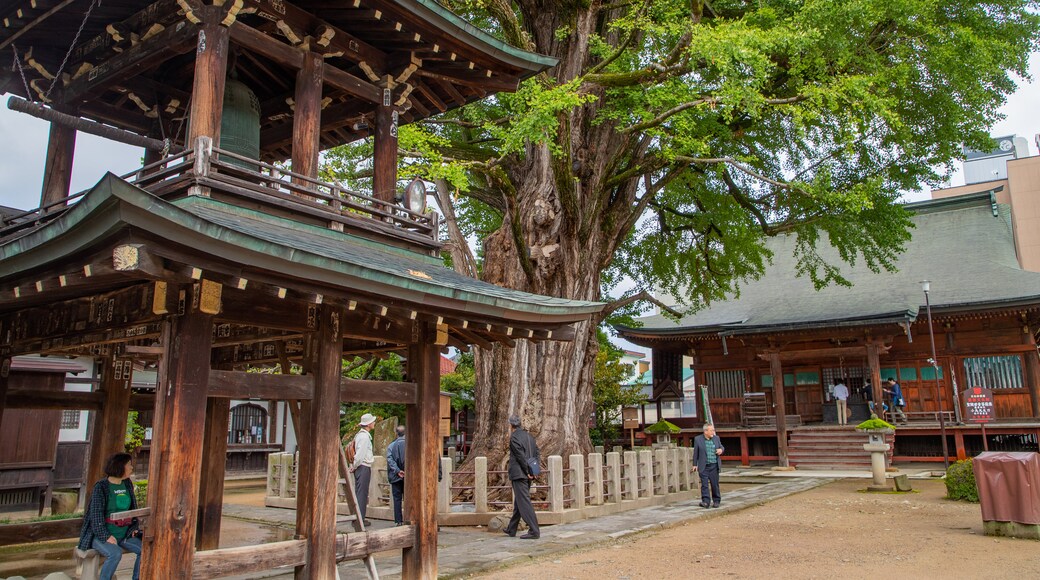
<point x="72" y="46"/>
<point x="21" y="71"/>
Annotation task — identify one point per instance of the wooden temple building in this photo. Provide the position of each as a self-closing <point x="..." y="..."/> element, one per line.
<point x="211" y="258"/>
<point x="781" y="331"/>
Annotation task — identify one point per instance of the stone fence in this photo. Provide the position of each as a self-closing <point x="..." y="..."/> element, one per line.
<point x="588" y="486"/>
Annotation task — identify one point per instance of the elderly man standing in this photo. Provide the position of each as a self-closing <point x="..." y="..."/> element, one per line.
<point x="395" y="472"/>
<point x="362" y="465"/>
<point x="522" y="450"/>
<point x="707" y="452"/>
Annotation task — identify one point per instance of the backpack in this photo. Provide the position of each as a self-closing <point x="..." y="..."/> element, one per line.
<point x="532" y="462"/>
<point x="350" y="451"/>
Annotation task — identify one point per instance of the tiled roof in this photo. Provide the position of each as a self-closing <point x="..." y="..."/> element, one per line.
<point x="963" y="245"/>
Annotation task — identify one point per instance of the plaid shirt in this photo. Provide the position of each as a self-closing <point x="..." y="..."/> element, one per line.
<point x="97" y="510"/>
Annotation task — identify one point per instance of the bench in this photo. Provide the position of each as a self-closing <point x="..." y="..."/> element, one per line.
<point x="88" y="563"/>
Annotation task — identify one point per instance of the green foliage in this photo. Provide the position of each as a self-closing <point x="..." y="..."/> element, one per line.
<point x="874" y="423"/>
<point x="960" y="482"/>
<point x="134" y="434"/>
<point x="663" y="427"/>
<point x="610" y="393"/>
<point x="141" y="492"/>
<point x="388" y="369"/>
<point x="461" y="383"/>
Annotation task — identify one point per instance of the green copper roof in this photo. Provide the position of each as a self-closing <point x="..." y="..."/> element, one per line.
<point x="275" y="244"/>
<point x="963" y="245"/>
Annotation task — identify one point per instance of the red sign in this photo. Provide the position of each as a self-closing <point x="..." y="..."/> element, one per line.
<point x="978" y="405"/>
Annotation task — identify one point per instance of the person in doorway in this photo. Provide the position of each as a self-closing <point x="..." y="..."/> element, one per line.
<point x="362" y="466"/>
<point x="112" y="494"/>
<point x="523" y="450"/>
<point x="707" y="452"/>
<point x="395" y="472"/>
<point x="841" y="399"/>
<point x="895" y="393"/>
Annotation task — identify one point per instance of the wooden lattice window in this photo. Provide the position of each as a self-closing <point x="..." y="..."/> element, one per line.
<point x="725" y="384"/>
<point x="994" y="372"/>
<point x="248" y="424"/>
<point x="70" y="419"/>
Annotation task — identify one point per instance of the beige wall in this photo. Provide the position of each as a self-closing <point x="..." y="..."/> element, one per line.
<point x="1024" y="180"/>
<point x="1022" y="193"/>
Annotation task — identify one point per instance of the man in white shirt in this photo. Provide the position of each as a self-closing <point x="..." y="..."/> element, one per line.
<point x="841" y="397"/>
<point x="362" y="465"/>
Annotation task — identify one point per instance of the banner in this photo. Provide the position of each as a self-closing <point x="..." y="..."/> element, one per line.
<point x="707" y="406"/>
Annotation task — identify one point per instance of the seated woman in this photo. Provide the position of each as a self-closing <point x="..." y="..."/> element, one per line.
<point x="114" y="493"/>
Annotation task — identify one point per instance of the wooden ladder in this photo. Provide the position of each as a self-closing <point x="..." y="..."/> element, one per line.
<point x="352" y="503"/>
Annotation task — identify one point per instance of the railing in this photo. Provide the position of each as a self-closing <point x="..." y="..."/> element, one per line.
<point x="587" y="484"/>
<point x="204" y="166"/>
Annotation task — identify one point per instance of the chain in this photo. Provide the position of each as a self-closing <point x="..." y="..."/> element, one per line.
<point x="18" y="65"/>
<point x="72" y="46"/>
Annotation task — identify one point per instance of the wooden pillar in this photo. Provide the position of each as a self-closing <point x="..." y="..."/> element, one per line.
<point x="421" y="453"/>
<point x="319" y="498"/>
<point x="160" y="428"/>
<point x="777" y="372"/>
<point x="214" y="463"/>
<point x="874" y="364"/>
<point x="108" y="434"/>
<point x="306" y="142"/>
<point x="57" y="173"/>
<point x="958" y="441"/>
<point x="384" y="162"/>
<point x="1032" y="369"/>
<point x="5" y="373"/>
<point x="174" y="514"/>
<point x="745" y="455"/>
<point x="207" y="92"/>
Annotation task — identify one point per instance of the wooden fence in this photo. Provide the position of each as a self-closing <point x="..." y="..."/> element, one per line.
<point x="588" y="486"/>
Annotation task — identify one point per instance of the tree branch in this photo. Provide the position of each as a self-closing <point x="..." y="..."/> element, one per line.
<point x="462" y="259"/>
<point x="624" y="44"/>
<point x="641" y="296"/>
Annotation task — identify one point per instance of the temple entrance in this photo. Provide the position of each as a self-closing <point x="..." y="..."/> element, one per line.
<point x="855" y="378"/>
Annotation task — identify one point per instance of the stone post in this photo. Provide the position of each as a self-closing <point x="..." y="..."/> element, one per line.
<point x="686" y="458"/>
<point x="452" y="454"/>
<point x="661" y="471"/>
<point x="673" y="471"/>
<point x="631" y="475"/>
<point x="596" y="478"/>
<point x="877" y="448"/>
<point x="375" y="490"/>
<point x="614" y="477"/>
<point x="444" y="487"/>
<point x="646" y="468"/>
<point x="480" y="484"/>
<point x="555" y="484"/>
<point x="273" y="468"/>
<point x="577" y="464"/>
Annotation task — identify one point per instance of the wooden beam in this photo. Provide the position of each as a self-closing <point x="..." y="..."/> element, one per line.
<point x="34" y="399"/>
<point x="267" y="46"/>
<point x="148" y="54"/>
<point x="214" y="463"/>
<point x="423" y="449"/>
<point x="874" y="364"/>
<point x="352" y="85"/>
<point x="320" y="499"/>
<point x="359" y="391"/>
<point x="818" y="353"/>
<point x="57" y="172"/>
<point x="34" y="23"/>
<point x="39" y="531"/>
<point x="109" y="430"/>
<point x="384" y="171"/>
<point x="249" y="559"/>
<point x="184" y="417"/>
<point x="242" y="385"/>
<point x="207" y="94"/>
<point x="307" y="118"/>
<point x="777" y="372"/>
<point x="357" y="545"/>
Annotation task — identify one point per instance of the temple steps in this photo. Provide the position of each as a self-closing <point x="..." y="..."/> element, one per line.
<point x="829" y="448"/>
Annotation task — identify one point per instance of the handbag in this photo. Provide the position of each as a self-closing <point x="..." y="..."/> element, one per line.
<point x="534" y="466"/>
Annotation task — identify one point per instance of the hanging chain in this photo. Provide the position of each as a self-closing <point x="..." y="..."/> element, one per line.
<point x="72" y="46"/>
<point x="21" y="71"/>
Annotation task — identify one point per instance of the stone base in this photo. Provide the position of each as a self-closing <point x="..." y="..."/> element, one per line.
<point x="880" y="488"/>
<point x="778" y="468"/>
<point x="1012" y="530"/>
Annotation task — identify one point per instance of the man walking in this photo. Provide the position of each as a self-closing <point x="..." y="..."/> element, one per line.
<point x="841" y="398"/>
<point x="395" y="472"/>
<point x="706" y="451"/>
<point x="522" y="449"/>
<point x="362" y="465"/>
<point x="898" y="403"/>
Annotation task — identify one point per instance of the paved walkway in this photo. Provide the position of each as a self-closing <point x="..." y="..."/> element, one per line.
<point x="468" y="551"/>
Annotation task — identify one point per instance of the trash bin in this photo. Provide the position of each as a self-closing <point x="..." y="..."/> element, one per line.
<point x="1009" y="493"/>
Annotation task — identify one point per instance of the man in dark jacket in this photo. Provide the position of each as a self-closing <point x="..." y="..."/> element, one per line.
<point x="522" y="449"/>
<point x="395" y="472"/>
<point x="707" y="455"/>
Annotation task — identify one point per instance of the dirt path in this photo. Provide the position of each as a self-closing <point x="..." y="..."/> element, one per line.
<point x="832" y="531"/>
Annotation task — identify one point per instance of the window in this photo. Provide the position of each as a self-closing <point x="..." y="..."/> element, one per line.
<point x="670" y="409"/>
<point x="248" y="424"/>
<point x="725" y="384"/>
<point x="650" y="414"/>
<point x="907" y="373"/>
<point x="689" y="407"/>
<point x="928" y="373"/>
<point x="70" y="419"/>
<point x="994" y="372"/>
<point x="767" y="380"/>
<point x="807" y="378"/>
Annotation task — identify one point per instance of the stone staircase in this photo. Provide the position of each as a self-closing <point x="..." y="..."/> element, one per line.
<point x="829" y="448"/>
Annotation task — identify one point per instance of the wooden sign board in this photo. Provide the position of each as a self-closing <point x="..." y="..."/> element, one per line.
<point x="978" y="405"/>
<point x="630" y="416"/>
<point x="445" y="423"/>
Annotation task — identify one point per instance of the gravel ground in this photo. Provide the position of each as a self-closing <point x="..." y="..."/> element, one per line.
<point x="832" y="531"/>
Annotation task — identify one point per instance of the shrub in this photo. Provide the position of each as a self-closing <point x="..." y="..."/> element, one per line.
<point x="141" y="491"/>
<point x="874" y="423"/>
<point x="960" y="482"/>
